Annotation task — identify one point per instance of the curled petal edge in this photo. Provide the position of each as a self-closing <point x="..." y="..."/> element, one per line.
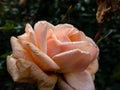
<point x="69" y="61"/>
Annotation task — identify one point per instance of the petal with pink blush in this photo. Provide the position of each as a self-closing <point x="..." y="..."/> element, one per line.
<point x="80" y="80"/>
<point x="41" y="28"/>
<point x="64" y="29"/>
<point x="52" y="48"/>
<point x="18" y="50"/>
<point x="53" y="45"/>
<point x="83" y="46"/>
<point x="61" y="31"/>
<point x="41" y="59"/>
<point x="72" y="60"/>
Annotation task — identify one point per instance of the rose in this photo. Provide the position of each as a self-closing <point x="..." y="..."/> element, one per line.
<point x="50" y="54"/>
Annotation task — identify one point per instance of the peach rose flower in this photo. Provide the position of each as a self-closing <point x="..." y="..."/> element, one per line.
<point x="50" y="55"/>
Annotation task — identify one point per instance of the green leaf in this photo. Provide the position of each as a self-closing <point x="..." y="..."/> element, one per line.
<point x="9" y="25"/>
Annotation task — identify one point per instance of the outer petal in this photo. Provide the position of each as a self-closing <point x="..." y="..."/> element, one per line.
<point x="41" y="28"/>
<point x="63" y="85"/>
<point x="72" y="60"/>
<point x="79" y="80"/>
<point x="19" y="51"/>
<point x="29" y="35"/>
<point x="95" y="46"/>
<point x="92" y="68"/>
<point x="12" y="68"/>
<point x="41" y="59"/>
<point x="25" y="71"/>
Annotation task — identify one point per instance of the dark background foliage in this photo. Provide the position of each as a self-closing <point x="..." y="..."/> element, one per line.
<point x="15" y="14"/>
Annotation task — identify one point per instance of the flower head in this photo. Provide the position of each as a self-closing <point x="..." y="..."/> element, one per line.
<point x="47" y="54"/>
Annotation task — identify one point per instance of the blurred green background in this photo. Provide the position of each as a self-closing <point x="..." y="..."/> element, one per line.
<point x="14" y="14"/>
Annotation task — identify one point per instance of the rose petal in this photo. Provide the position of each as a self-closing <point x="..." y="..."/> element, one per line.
<point x="83" y="46"/>
<point x="93" y="67"/>
<point x="66" y="29"/>
<point x="41" y="59"/>
<point x="12" y="68"/>
<point x="53" y="45"/>
<point x="77" y="36"/>
<point x="79" y="80"/>
<point x="25" y="71"/>
<point x="62" y="30"/>
<point x="72" y="60"/>
<point x="49" y="84"/>
<point x="92" y="42"/>
<point x="41" y="28"/>
<point x="63" y="85"/>
<point x="18" y="50"/>
<point x="29" y="35"/>
<point x="67" y="32"/>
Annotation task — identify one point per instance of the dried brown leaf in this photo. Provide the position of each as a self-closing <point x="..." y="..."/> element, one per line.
<point x="105" y="7"/>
